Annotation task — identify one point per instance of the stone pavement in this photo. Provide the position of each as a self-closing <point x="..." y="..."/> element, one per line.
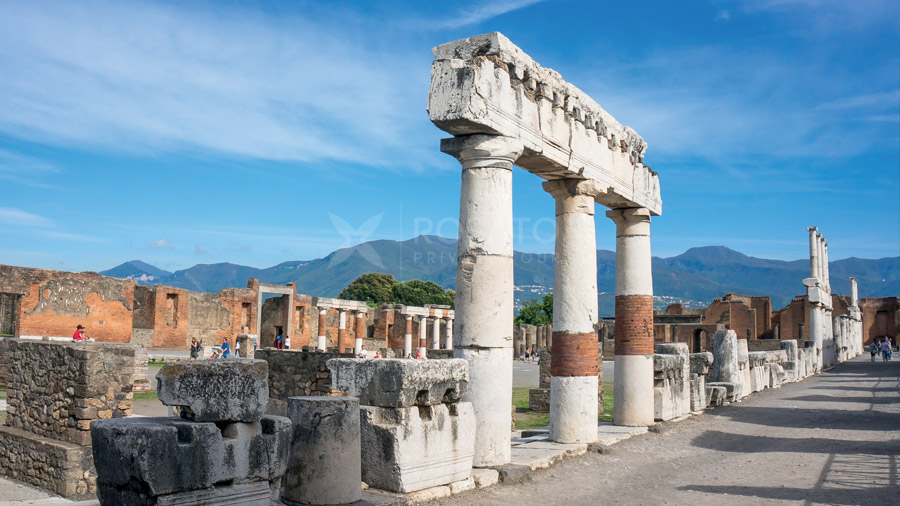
<point x="831" y="439"/>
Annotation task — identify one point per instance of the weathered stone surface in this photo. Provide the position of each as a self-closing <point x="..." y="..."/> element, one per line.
<point x="728" y="394"/>
<point x="296" y="373"/>
<point x="393" y="383"/>
<point x="413" y="448"/>
<point x="241" y="494"/>
<point x="325" y="462"/>
<point x="725" y="366"/>
<point x="62" y="468"/>
<point x="701" y="362"/>
<point x="671" y="394"/>
<point x="223" y="390"/>
<point x="716" y="394"/>
<point x="140" y="459"/>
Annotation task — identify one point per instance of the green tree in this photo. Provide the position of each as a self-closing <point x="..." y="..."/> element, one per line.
<point x="374" y="288"/>
<point x="536" y="311"/>
<point x="416" y="292"/>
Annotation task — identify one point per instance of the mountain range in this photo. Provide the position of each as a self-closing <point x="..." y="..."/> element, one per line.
<point x="694" y="277"/>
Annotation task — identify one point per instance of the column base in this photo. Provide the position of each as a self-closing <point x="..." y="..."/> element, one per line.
<point x="491" y="370"/>
<point x="633" y="391"/>
<point x="573" y="409"/>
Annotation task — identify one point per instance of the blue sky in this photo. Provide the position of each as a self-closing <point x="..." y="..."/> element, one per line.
<point x="254" y="133"/>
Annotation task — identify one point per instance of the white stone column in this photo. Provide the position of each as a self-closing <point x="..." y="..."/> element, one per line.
<point x="633" y="390"/>
<point x="484" y="286"/>
<point x="407" y="338"/>
<point x="813" y="252"/>
<point x="820" y="256"/>
<point x="854" y="293"/>
<point x="321" y="342"/>
<point x="436" y="333"/>
<point x="448" y="339"/>
<point x="827" y="276"/>
<point x="423" y="333"/>
<point x="573" y="366"/>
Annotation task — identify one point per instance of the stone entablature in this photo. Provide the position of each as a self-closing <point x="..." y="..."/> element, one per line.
<point x="487" y="85"/>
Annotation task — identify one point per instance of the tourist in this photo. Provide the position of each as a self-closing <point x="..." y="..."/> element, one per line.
<point x="873" y="349"/>
<point x="420" y="354"/>
<point x="195" y="348"/>
<point x="237" y="347"/>
<point x="377" y="355"/>
<point x="255" y="344"/>
<point x="226" y="349"/>
<point x="363" y="353"/>
<point x="79" y="334"/>
<point x="885" y="350"/>
<point x="278" y="341"/>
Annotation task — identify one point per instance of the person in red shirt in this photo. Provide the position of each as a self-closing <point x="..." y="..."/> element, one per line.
<point x="79" y="334"/>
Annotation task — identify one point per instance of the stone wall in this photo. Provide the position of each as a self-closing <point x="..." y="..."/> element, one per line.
<point x="4" y="361"/>
<point x="297" y="373"/>
<point x="56" y="390"/>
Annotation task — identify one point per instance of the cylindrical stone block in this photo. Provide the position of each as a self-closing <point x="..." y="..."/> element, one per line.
<point x="633" y="390"/>
<point x="449" y="338"/>
<point x="324" y="466"/>
<point x="484" y="286"/>
<point x="423" y="333"/>
<point x="361" y="331"/>
<point x="436" y="334"/>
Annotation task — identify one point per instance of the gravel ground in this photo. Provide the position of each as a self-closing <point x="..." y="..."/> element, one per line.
<point x="831" y="439"/>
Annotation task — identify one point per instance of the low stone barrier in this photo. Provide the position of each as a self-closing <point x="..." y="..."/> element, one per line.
<point x="57" y="391"/>
<point x="296" y="373"/>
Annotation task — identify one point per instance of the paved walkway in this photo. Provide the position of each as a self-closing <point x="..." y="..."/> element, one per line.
<point x="831" y="439"/>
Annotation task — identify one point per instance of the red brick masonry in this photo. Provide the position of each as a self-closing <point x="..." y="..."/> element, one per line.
<point x="574" y="354"/>
<point x="634" y="325"/>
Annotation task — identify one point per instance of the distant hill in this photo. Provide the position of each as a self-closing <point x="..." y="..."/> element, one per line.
<point x="694" y="277"/>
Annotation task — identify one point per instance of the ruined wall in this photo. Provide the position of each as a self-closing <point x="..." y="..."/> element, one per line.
<point x="56" y="390"/>
<point x="297" y="373"/>
<point x="881" y="317"/>
<point x="792" y="319"/>
<point x="54" y="303"/>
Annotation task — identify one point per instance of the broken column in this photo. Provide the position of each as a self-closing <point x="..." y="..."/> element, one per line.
<point x="324" y="465"/>
<point x="484" y="285"/>
<point x="671" y="389"/>
<point x="415" y="432"/>
<point x="321" y="341"/>
<point x="726" y="371"/>
<point x="700" y="364"/>
<point x="573" y="369"/>
<point x="633" y="391"/>
<point x="245" y="345"/>
<point x="223" y="449"/>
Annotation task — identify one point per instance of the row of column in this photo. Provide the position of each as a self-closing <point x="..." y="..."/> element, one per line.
<point x="342" y="337"/>
<point x="484" y="302"/>
<point x="422" y="343"/>
<point x="819" y="298"/>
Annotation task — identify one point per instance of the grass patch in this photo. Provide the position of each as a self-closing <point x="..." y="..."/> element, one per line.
<point x="145" y="396"/>
<point x="527" y="419"/>
<point x="155" y="364"/>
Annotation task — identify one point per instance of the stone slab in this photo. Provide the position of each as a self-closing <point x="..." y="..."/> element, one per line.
<point x="396" y="383"/>
<point x="485" y="477"/>
<point x="221" y="390"/>
<point x="418" y="447"/>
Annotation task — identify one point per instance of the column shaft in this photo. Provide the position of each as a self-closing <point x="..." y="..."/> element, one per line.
<point x="423" y="333"/>
<point x="321" y="342"/>
<point x="633" y="391"/>
<point x="813" y="253"/>
<point x="484" y="286"/>
<point x="574" y="362"/>
<point x="361" y="330"/>
<point x="436" y="334"/>
<point x="342" y="330"/>
<point x="407" y="338"/>
<point x="448" y="340"/>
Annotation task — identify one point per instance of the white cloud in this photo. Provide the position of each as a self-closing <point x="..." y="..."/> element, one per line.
<point x="18" y="217"/>
<point x="25" y="170"/>
<point x="165" y="78"/>
<point x="199" y="250"/>
<point x="485" y="11"/>
<point x="161" y="244"/>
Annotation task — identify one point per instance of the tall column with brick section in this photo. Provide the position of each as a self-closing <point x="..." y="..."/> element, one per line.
<point x="448" y="339"/>
<point x="633" y="391"/>
<point x="407" y="338"/>
<point x="321" y="342"/>
<point x="342" y="330"/>
<point x="361" y="330"/>
<point x="484" y="286"/>
<point x="423" y="334"/>
<point x="573" y="366"/>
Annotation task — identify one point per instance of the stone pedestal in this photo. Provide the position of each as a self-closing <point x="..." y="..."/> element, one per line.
<point x="700" y="365"/>
<point x="245" y="350"/>
<point x="671" y="389"/>
<point x="415" y="432"/>
<point x="324" y="465"/>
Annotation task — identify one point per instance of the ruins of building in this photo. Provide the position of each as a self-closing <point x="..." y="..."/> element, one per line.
<point x="504" y="109"/>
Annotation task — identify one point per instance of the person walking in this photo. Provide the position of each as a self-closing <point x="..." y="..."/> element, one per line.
<point x="278" y="341"/>
<point x="226" y="348"/>
<point x="196" y="347"/>
<point x="885" y="350"/>
<point x="873" y="349"/>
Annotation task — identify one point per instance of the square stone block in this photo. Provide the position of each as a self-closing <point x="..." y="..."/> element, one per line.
<point x="413" y="448"/>
<point x="397" y="382"/>
<point x="221" y="390"/>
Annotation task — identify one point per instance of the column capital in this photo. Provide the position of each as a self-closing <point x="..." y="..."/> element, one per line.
<point x="480" y="151"/>
<point x="573" y="195"/>
<point x="812" y="229"/>
<point x="629" y="216"/>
